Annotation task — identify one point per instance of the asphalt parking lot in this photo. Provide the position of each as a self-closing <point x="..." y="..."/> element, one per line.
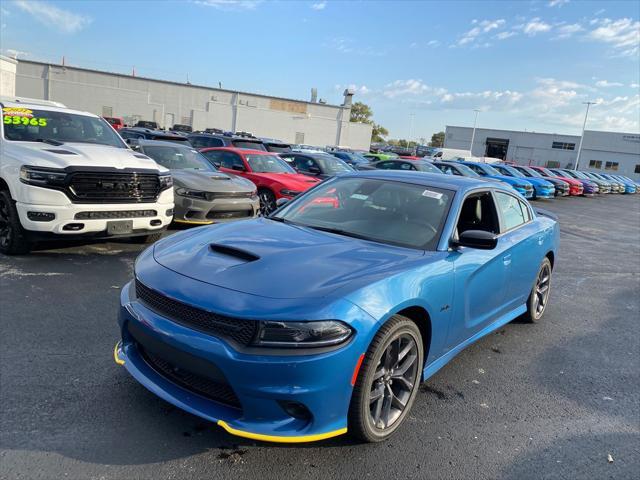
<point x="550" y="400"/>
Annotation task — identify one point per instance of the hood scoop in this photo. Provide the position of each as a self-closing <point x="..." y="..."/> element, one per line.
<point x="234" y="252"/>
<point x="59" y="152"/>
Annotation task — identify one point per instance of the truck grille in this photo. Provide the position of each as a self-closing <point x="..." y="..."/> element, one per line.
<point x="238" y="330"/>
<point x="108" y="187"/>
<point x="217" y="391"/>
<point x="115" y="214"/>
<point x="215" y="195"/>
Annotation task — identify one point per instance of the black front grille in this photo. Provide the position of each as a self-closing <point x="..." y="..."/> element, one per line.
<point x="112" y="187"/>
<point x="218" y="391"/>
<point x="236" y="329"/>
<point x="115" y="214"/>
<point x="229" y="215"/>
<point x="215" y="195"/>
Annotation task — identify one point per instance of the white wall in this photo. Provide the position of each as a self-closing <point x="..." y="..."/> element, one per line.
<point x="7" y="76"/>
<point x="202" y="107"/>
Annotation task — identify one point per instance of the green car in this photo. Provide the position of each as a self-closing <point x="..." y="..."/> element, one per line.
<point x="374" y="157"/>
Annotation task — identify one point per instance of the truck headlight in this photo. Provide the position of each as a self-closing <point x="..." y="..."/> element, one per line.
<point x="185" y="192"/>
<point x="42" y="176"/>
<point x="166" y="181"/>
<point x="301" y="334"/>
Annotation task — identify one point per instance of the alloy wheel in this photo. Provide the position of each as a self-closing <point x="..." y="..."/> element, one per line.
<point x="542" y="289"/>
<point x="267" y="203"/>
<point x="393" y="382"/>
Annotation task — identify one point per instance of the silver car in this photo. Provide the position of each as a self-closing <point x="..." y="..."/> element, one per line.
<point x="203" y="195"/>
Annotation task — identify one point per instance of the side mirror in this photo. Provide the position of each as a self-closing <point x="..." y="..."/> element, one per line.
<point x="238" y="168"/>
<point x="281" y="201"/>
<point x="479" y="239"/>
<point x="314" y="170"/>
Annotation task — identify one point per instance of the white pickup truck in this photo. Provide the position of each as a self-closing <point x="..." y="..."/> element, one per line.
<point x="68" y="174"/>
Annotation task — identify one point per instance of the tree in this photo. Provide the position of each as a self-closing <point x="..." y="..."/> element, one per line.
<point x="437" y="140"/>
<point x="362" y="113"/>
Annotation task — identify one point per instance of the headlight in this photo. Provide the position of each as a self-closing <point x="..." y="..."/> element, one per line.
<point x="166" y="181"/>
<point x="302" y="334"/>
<point x="42" y="176"/>
<point x="185" y="192"/>
<point x="524" y="187"/>
<point x="289" y="193"/>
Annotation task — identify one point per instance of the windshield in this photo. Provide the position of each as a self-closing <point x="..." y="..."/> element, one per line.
<point x="490" y="170"/>
<point x="510" y="171"/>
<point x="530" y="172"/>
<point x="427" y="167"/>
<point x="248" y="145"/>
<point x="382" y="211"/>
<point x="332" y="165"/>
<point x="178" y="158"/>
<point x="547" y="173"/>
<point x="268" y="164"/>
<point x="579" y="175"/>
<point x="466" y="171"/>
<point x="354" y="158"/>
<point x="27" y="125"/>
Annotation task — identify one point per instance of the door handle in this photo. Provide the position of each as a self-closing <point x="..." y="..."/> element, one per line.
<point x="507" y="259"/>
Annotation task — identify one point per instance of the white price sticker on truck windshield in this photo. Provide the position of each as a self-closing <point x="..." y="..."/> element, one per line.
<point x="432" y="194"/>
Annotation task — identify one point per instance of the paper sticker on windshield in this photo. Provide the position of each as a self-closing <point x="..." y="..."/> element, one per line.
<point x="357" y="196"/>
<point x="432" y="194"/>
<point x="21" y="116"/>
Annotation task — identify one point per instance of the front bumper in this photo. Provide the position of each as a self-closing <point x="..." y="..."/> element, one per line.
<point x="575" y="190"/>
<point x="545" y="192"/>
<point x="261" y="381"/>
<point x="219" y="210"/>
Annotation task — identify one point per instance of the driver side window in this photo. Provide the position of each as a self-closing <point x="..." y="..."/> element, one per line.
<point x="478" y="212"/>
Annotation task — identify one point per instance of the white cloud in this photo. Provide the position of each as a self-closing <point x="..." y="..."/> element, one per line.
<point x="634" y="85"/>
<point x="358" y="89"/>
<point x="488" y="99"/>
<point x="405" y="87"/>
<point x="488" y="25"/>
<point x="230" y="4"/>
<point x="319" y="5"/>
<point x="566" y="31"/>
<point x="607" y="84"/>
<point x="433" y="43"/>
<point x="349" y="46"/>
<point x="13" y="53"/>
<point x="557" y="3"/>
<point x="536" y="26"/>
<point x="475" y="34"/>
<point x="54" y="17"/>
<point x="622" y="34"/>
<point x="504" y="35"/>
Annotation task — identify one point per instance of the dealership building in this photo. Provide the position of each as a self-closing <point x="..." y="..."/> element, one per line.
<point x="605" y="152"/>
<point x="136" y="98"/>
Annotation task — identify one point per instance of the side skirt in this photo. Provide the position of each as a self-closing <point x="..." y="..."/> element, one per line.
<point x="436" y="365"/>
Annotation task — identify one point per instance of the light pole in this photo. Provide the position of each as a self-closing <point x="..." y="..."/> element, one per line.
<point x="411" y="115"/>
<point x="588" y="104"/>
<point x="473" y="134"/>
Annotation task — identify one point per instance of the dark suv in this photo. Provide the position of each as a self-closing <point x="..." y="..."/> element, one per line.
<point x="131" y="135"/>
<point x="210" y="140"/>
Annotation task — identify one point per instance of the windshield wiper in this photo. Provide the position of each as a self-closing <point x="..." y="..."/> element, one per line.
<point x="278" y="219"/>
<point x="338" y="231"/>
<point x="49" y="141"/>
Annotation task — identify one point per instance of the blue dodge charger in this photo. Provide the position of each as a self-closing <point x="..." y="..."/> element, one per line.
<point x="325" y="317"/>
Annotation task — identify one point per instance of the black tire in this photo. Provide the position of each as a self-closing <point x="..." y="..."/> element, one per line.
<point x="405" y="334"/>
<point x="13" y="240"/>
<point x="147" y="239"/>
<point x="539" y="296"/>
<point x="267" y="201"/>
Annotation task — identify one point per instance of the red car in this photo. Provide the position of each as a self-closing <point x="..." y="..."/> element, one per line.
<point x="274" y="178"/>
<point x="411" y="157"/>
<point x="575" y="186"/>
<point x="115" y="122"/>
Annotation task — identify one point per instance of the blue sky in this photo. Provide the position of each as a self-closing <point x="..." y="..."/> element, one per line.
<point x="523" y="64"/>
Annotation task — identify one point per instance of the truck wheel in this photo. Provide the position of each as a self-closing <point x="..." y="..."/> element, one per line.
<point x="12" y="236"/>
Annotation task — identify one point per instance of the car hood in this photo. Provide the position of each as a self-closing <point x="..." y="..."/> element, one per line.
<point x="211" y="181"/>
<point x="272" y="259"/>
<point x="510" y="180"/>
<point x="78" y="154"/>
<point x="570" y="181"/>
<point x="537" y="181"/>
<point x="293" y="181"/>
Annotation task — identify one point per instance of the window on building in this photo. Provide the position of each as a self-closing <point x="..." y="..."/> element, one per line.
<point x="299" y="138"/>
<point x="611" y="166"/>
<point x="552" y="164"/>
<point x="563" y="146"/>
<point x="107" y="111"/>
<point x="595" y="164"/>
<point x="637" y="169"/>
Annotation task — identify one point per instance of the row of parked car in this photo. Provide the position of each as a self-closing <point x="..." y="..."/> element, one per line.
<point x="68" y="173"/>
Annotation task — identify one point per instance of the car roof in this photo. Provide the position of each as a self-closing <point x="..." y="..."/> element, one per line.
<point x="144" y="142"/>
<point x="447" y="182"/>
